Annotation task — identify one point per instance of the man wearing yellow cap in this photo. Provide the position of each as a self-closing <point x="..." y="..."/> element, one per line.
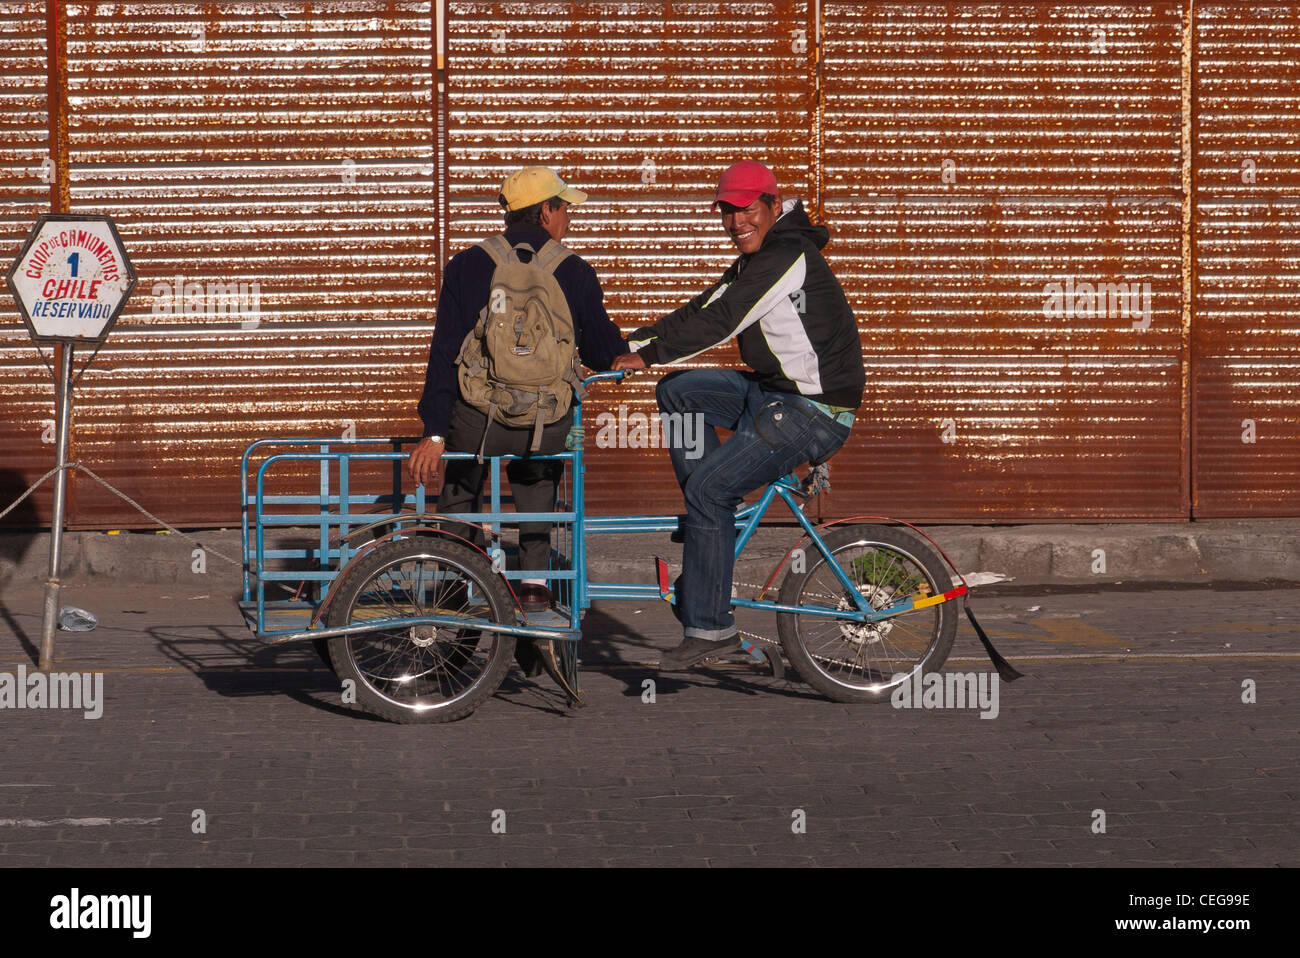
<point x="536" y="203"/>
<point x="797" y="333"/>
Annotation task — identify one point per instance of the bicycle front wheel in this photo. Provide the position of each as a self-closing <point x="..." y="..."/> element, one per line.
<point x="863" y="662"/>
<point x="422" y="673"/>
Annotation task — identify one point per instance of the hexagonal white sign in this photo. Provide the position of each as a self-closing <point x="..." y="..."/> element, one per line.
<point x="72" y="278"/>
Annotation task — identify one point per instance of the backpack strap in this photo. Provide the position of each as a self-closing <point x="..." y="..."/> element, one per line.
<point x="492" y="411"/>
<point x="497" y="248"/>
<point x="537" y="427"/>
<point x="551" y="255"/>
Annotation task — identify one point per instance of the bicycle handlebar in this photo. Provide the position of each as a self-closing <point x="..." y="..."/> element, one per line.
<point x="613" y="375"/>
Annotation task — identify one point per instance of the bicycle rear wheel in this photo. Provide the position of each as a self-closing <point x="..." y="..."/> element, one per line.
<point x="864" y="662"/>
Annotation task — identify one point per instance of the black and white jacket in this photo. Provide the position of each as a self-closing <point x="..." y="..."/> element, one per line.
<point x="787" y="310"/>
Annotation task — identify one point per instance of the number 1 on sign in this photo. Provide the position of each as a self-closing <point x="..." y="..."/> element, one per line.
<point x="72" y="261"/>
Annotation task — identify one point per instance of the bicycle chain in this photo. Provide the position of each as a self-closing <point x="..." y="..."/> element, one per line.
<point x="758" y="590"/>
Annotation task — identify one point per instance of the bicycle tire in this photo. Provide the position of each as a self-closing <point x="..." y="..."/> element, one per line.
<point x="851" y="662"/>
<point x="422" y="674"/>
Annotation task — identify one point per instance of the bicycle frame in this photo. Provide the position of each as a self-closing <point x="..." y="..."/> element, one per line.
<point x="333" y="513"/>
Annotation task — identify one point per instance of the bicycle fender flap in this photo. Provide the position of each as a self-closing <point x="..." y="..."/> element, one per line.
<point x="1006" y="671"/>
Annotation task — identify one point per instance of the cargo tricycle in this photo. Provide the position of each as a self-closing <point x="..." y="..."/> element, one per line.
<point x="416" y="612"/>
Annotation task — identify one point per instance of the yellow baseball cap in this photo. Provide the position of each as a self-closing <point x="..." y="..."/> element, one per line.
<point x="532" y="185"/>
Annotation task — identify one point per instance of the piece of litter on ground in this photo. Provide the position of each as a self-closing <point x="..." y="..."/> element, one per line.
<point x="72" y="619"/>
<point x="1033" y="608"/>
<point x="982" y="578"/>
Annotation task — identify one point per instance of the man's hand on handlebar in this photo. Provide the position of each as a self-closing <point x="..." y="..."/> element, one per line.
<point x="426" y="466"/>
<point x="629" y="362"/>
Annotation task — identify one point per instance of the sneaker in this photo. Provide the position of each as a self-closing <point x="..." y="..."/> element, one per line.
<point x="695" y="650"/>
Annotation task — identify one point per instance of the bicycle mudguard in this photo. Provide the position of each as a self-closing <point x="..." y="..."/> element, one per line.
<point x="435" y="531"/>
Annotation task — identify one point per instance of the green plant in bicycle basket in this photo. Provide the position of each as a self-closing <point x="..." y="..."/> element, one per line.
<point x="882" y="569"/>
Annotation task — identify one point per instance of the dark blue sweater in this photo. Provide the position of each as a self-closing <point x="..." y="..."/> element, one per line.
<point x="465" y="292"/>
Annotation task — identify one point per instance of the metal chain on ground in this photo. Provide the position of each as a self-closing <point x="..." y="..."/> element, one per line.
<point x="124" y="497"/>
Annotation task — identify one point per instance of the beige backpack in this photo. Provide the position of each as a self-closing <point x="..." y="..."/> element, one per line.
<point x="519" y="366"/>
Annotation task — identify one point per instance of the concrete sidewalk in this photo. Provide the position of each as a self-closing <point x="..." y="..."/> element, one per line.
<point x="1252" y="551"/>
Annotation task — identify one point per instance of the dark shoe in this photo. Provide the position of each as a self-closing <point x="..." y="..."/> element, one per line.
<point x="534" y="598"/>
<point x="696" y="650"/>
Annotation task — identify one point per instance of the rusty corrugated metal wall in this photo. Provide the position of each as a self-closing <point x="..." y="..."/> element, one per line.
<point x="1246" y="358"/>
<point x="970" y="160"/>
<point x="640" y="104"/>
<point x="975" y="155"/>
<point x="968" y="156"/>
<point x="270" y="169"/>
<point x="26" y="170"/>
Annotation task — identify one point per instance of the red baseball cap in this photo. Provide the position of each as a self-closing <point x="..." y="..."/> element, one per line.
<point x="745" y="182"/>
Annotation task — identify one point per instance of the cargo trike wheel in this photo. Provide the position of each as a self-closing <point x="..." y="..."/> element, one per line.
<point x="864" y="661"/>
<point x="422" y="673"/>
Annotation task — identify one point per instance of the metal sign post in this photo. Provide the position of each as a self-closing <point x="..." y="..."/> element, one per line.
<point x="71" y="281"/>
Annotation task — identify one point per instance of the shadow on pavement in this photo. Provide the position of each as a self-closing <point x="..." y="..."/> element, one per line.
<point x="21" y="530"/>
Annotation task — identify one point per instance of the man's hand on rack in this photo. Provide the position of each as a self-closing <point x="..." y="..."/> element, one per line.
<point x="426" y="466"/>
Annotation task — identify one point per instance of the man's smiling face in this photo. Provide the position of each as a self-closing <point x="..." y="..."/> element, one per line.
<point x="747" y="226"/>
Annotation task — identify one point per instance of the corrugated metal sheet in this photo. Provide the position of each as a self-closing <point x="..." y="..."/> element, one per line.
<point x="641" y="104"/>
<point x="1246" y="448"/>
<point x="965" y="156"/>
<point x="274" y="161"/>
<point x="223" y="388"/>
<point x="975" y="155"/>
<point x="26" y="386"/>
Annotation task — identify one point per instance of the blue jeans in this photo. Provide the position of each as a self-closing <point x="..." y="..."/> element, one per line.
<point x="774" y="433"/>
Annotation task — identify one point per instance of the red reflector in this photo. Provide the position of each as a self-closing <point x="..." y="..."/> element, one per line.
<point x="661" y="569"/>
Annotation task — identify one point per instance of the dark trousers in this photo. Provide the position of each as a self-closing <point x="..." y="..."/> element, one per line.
<point x="533" y="483"/>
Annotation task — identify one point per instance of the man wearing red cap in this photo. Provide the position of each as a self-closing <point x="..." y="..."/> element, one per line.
<point x="798" y="335"/>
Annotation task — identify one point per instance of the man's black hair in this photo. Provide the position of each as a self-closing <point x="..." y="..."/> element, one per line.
<point x="531" y="215"/>
<point x="769" y="200"/>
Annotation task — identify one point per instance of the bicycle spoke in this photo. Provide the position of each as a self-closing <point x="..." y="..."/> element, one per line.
<point x="422" y="666"/>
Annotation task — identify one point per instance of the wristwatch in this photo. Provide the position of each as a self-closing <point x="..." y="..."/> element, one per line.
<point x="440" y="439"/>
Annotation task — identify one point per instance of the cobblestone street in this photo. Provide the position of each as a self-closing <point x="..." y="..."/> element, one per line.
<point x="214" y="750"/>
